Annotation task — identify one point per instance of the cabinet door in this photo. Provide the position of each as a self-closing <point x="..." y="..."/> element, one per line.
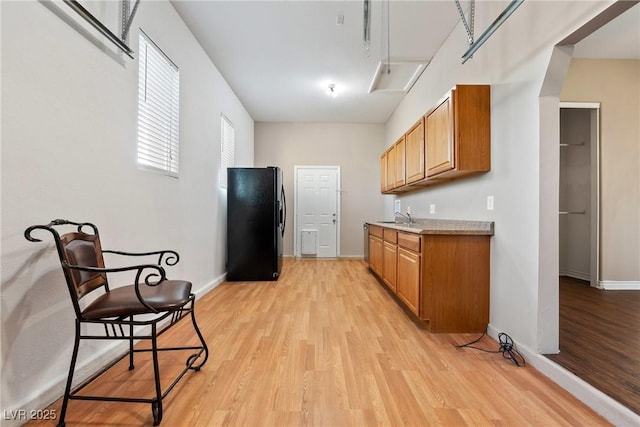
<point x="391" y="168"/>
<point x="400" y="162"/>
<point x="414" y="152"/>
<point x="439" y="138"/>
<point x="383" y="173"/>
<point x="408" y="283"/>
<point x="389" y="265"/>
<point x="375" y="254"/>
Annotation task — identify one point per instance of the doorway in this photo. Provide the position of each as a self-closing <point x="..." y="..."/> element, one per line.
<point x="579" y="191"/>
<point x="316" y="211"/>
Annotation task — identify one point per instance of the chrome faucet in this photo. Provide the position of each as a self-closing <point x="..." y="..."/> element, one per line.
<point x="407" y="216"/>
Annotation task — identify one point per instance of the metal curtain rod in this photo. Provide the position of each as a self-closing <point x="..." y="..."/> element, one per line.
<point x="95" y="22"/>
<point x="491" y="29"/>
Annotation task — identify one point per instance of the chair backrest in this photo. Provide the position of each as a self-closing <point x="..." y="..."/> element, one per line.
<point x="79" y="248"/>
<point x="84" y="250"/>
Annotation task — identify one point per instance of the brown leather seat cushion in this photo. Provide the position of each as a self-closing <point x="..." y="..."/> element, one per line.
<point x="166" y="296"/>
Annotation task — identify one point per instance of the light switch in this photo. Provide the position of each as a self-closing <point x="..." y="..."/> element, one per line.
<point x="432" y="208"/>
<point x="489" y="203"/>
<point x="397" y="206"/>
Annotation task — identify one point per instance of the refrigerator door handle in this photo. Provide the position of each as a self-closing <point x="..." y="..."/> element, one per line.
<point x="283" y="211"/>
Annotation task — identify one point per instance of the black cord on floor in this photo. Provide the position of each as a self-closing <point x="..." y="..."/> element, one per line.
<point x="506" y="348"/>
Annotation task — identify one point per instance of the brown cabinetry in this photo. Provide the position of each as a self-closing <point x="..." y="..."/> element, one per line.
<point x="442" y="279"/>
<point x="375" y="249"/>
<point x="392" y="167"/>
<point x="458" y="133"/>
<point x="383" y="173"/>
<point x="452" y="140"/>
<point x="414" y="153"/>
<point x="400" y="166"/>
<point x="390" y="258"/>
<point x="439" y="134"/>
<point x="409" y="268"/>
<point x="455" y="283"/>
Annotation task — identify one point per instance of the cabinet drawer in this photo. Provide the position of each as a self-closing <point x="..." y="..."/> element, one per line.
<point x="375" y="231"/>
<point x="390" y="236"/>
<point x="409" y="241"/>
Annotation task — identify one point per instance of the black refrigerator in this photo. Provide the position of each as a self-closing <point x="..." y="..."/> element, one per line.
<point x="256" y="215"/>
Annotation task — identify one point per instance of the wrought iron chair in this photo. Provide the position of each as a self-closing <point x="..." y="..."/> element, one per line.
<point x="141" y="311"/>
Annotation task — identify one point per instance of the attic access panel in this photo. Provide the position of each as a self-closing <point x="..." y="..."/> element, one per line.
<point x="396" y="76"/>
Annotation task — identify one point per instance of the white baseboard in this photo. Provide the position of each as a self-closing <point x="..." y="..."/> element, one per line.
<point x="612" y="410"/>
<point x="52" y="391"/>
<point x="210" y="286"/>
<point x="615" y="285"/>
<point x="581" y="275"/>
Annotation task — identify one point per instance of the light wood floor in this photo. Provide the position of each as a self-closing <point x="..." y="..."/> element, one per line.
<point x="327" y="346"/>
<point x="600" y="339"/>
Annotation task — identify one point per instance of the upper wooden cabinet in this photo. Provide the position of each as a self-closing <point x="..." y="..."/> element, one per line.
<point x="458" y="133"/>
<point x="383" y="173"/>
<point x="391" y="168"/>
<point x="414" y="152"/>
<point x="400" y="159"/>
<point x="439" y="134"/>
<point x="452" y="140"/>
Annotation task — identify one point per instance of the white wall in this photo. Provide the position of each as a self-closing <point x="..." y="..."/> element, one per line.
<point x="69" y="151"/>
<point x="355" y="147"/>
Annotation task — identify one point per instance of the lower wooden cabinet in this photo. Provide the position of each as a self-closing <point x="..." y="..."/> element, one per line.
<point x="408" y="283"/>
<point x="442" y="279"/>
<point x="455" y="283"/>
<point x="389" y="265"/>
<point x="375" y="254"/>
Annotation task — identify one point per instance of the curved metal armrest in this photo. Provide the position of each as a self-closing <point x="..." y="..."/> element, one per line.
<point x="153" y="278"/>
<point x="169" y="257"/>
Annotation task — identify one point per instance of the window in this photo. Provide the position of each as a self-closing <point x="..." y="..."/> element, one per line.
<point x="158" y="104"/>
<point x="227" y="146"/>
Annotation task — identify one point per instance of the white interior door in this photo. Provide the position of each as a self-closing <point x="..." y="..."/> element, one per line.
<point x="317" y="211"/>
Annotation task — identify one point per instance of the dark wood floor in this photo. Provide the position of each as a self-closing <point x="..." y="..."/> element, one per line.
<point x="600" y="339"/>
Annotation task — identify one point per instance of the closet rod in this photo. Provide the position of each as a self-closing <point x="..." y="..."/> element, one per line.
<point x="571" y="212"/>
<point x="95" y="22"/>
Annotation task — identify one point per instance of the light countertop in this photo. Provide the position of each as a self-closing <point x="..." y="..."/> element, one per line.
<point x="440" y="226"/>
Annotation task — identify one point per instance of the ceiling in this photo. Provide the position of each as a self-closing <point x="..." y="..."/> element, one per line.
<point x="279" y="57"/>
<point x="619" y="39"/>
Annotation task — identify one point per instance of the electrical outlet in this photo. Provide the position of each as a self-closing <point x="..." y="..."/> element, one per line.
<point x="397" y="206"/>
<point x="432" y="208"/>
<point x="489" y="203"/>
<point x="409" y="210"/>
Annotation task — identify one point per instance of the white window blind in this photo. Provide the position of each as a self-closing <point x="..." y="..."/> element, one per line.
<point x="158" y="108"/>
<point x="227" y="144"/>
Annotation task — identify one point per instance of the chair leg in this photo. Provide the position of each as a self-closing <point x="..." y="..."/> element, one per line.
<point x="131" y="365"/>
<point x="72" y="366"/>
<point x="204" y="344"/>
<point x="156" y="405"/>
